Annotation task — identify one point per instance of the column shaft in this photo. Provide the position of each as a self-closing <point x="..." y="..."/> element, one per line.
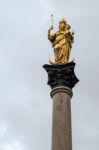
<point x="61" y="122"/>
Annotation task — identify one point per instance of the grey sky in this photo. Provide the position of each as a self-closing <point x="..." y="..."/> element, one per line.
<point x="25" y="103"/>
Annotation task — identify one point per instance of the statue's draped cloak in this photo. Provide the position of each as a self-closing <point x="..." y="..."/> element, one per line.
<point x="62" y="47"/>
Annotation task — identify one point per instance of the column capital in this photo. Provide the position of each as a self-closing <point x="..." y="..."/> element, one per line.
<point x="61" y="75"/>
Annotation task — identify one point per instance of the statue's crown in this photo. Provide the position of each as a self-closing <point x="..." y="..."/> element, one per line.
<point x="62" y="21"/>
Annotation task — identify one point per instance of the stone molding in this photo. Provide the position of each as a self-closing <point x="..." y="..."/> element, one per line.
<point x="61" y="89"/>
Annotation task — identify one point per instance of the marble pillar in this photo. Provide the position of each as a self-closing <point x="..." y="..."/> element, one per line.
<point x="61" y="120"/>
<point x="61" y="79"/>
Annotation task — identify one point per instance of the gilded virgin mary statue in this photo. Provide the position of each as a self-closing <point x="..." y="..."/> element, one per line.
<point x="61" y="42"/>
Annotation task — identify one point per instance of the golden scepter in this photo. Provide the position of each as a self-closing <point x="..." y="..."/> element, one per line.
<point x="52" y="21"/>
<point x="51" y="29"/>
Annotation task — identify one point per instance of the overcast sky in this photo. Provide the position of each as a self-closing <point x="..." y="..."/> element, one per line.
<point x="25" y="103"/>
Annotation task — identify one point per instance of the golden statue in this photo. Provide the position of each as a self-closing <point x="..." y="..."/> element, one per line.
<point x="61" y="42"/>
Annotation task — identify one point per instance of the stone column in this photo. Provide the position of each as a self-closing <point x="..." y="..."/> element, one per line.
<point x="61" y="79"/>
<point x="61" y="123"/>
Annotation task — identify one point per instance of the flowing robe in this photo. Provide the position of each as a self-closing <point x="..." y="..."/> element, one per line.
<point x="61" y="42"/>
